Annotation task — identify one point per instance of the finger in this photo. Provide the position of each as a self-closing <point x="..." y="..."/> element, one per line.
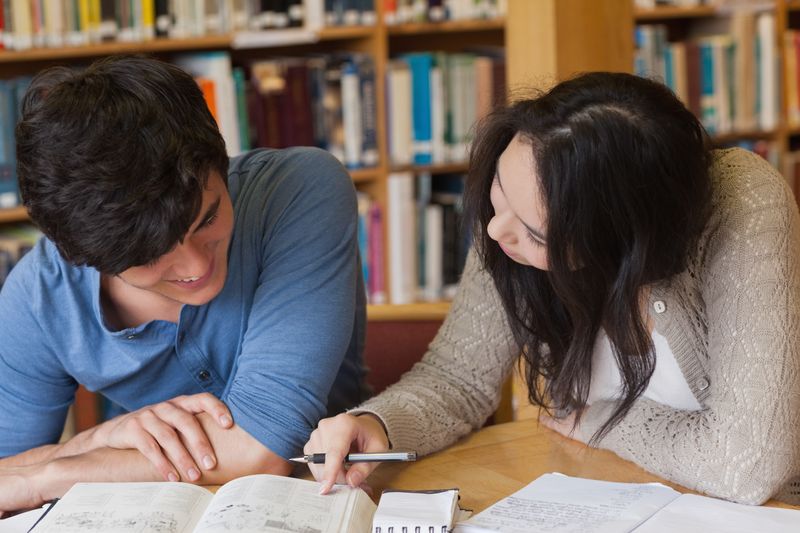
<point x="192" y="435"/>
<point x="208" y="403"/>
<point x="336" y="436"/>
<point x="173" y="447"/>
<point x="358" y="472"/>
<point x="148" y="447"/>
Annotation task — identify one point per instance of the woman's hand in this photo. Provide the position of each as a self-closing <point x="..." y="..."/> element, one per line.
<point x="168" y="434"/>
<point x="338" y="436"/>
<point x="565" y="426"/>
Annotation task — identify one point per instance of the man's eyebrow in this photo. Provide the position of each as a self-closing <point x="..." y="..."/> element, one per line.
<point x="212" y="209"/>
<point x="535" y="232"/>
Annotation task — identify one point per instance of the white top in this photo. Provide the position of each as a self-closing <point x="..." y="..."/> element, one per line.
<point x="667" y="386"/>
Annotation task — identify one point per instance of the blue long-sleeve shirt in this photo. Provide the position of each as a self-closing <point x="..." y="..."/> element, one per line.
<point x="280" y="345"/>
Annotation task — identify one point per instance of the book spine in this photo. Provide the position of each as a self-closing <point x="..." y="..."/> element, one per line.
<point x="402" y="242"/>
<point x="369" y="127"/>
<point x="351" y="111"/>
<point x="377" y="288"/>
<point x="420" y="66"/>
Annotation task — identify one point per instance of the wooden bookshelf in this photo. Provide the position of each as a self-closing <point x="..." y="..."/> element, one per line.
<point x="792" y="5"/>
<point x="568" y="35"/>
<point x="417" y="311"/>
<point x="14" y="214"/>
<point x="444" y="168"/>
<point x="674" y="12"/>
<point x="456" y="26"/>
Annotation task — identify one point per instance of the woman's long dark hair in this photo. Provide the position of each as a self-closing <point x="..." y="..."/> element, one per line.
<point x="624" y="171"/>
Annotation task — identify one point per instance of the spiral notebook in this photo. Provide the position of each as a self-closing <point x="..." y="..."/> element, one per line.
<point x="416" y="511"/>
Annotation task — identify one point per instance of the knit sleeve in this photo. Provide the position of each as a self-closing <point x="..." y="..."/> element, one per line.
<point x="744" y="445"/>
<point x="456" y="385"/>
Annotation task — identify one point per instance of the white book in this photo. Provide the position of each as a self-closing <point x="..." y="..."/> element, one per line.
<point x="402" y="238"/>
<point x="438" y="146"/>
<point x="399" y="111"/>
<point x="351" y="114"/>
<point x="561" y="504"/>
<point x="434" y="248"/>
<point x="21" y="24"/>
<point x="767" y="71"/>
<point x="216" y="66"/>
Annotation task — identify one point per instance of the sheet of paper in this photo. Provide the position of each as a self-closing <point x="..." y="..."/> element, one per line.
<point x="699" y="514"/>
<point x="22" y="522"/>
<point x="272" y="503"/>
<point x="126" y="508"/>
<point x="561" y="504"/>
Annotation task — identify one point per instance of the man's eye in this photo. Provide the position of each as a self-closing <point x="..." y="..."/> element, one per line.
<point x="211" y="219"/>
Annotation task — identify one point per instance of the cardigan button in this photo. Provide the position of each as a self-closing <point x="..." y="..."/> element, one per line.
<point x="703" y="384"/>
<point x="659" y="306"/>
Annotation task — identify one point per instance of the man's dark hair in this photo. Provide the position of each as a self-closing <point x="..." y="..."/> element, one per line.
<point x="112" y="160"/>
<point x="623" y="168"/>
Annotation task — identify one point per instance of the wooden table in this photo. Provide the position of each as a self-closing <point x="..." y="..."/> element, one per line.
<point x="499" y="460"/>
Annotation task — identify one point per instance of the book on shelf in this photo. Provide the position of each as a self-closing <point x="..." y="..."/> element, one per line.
<point x="15" y="241"/>
<point x="370" y="246"/>
<point x="11" y="93"/>
<point x="250" y="504"/>
<point x="427" y="242"/>
<point x="26" y="24"/>
<point x="725" y="70"/>
<point x="433" y="100"/>
<point x="560" y="504"/>
<point x="413" y="11"/>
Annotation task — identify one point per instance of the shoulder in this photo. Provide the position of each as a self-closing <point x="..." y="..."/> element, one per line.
<point x="743" y="180"/>
<point x="294" y="168"/>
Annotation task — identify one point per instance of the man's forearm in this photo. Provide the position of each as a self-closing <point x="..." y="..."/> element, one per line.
<point x="80" y="443"/>
<point x="238" y="454"/>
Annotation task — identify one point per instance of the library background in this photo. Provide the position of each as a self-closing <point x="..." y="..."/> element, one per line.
<point x="392" y="88"/>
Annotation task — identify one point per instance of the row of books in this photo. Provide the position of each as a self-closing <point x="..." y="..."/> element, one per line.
<point x="11" y="93"/>
<point x="26" y="24"/>
<point x="427" y="241"/>
<point x="726" y="72"/>
<point x="651" y="4"/>
<point x="791" y="54"/>
<point x="15" y="241"/>
<point x="405" y="11"/>
<point x="433" y="99"/>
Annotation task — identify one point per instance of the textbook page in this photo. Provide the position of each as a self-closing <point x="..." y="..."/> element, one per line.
<point x="22" y="522"/>
<point x="264" y="503"/>
<point x="561" y="504"/>
<point x="159" y="507"/>
<point x="699" y="514"/>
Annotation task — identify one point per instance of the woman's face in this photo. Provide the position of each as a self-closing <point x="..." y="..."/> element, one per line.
<point x="519" y="224"/>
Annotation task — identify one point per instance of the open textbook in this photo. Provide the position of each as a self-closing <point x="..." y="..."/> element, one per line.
<point x="559" y="504"/>
<point x="257" y="504"/>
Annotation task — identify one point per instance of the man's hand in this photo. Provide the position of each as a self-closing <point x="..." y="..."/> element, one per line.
<point x="19" y="489"/>
<point x="168" y="434"/>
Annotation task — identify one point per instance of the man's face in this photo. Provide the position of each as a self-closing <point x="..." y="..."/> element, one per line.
<point x="193" y="272"/>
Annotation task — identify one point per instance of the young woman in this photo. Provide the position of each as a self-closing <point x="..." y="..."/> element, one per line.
<point x="651" y="285"/>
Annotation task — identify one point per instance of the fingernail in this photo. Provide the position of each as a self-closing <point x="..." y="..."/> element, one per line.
<point x="208" y="462"/>
<point x="355" y="479"/>
<point x="194" y="475"/>
<point x="326" y="486"/>
<point x="225" y="420"/>
<point x="172" y="476"/>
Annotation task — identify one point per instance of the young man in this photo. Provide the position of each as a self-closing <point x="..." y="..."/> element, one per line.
<point x="220" y="307"/>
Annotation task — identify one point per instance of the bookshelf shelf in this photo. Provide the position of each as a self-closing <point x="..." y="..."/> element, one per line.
<point x="335" y="33"/>
<point x="363" y="175"/>
<point x="14" y="214"/>
<point x="743" y="135"/>
<point x="103" y="49"/>
<point x="448" y="168"/>
<point x="416" y="311"/>
<point x="793" y="5"/>
<point x="453" y="26"/>
<point x="667" y="12"/>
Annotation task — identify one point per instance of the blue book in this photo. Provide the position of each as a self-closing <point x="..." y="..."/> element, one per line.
<point x="9" y="191"/>
<point x="708" y="108"/>
<point x="420" y="65"/>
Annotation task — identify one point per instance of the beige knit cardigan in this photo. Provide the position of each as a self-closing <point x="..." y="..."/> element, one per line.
<point x="731" y="319"/>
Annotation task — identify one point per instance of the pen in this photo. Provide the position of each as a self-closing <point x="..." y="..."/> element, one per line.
<point x="391" y="457"/>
